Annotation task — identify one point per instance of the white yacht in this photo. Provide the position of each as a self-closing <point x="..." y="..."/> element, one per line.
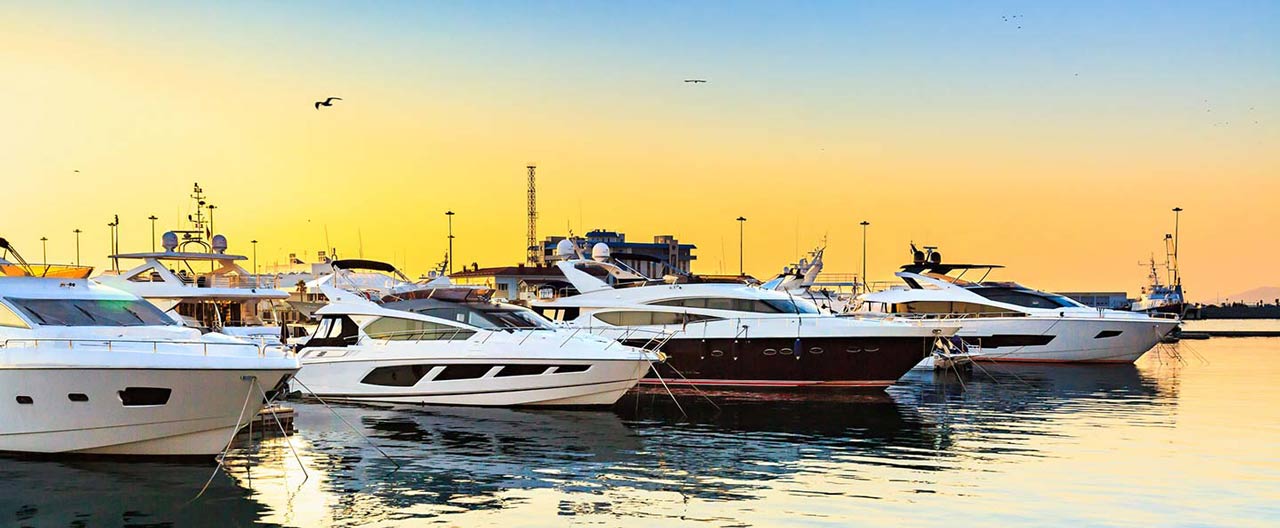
<point x="735" y="335"/>
<point x="89" y="369"/>
<point x="454" y="346"/>
<point x="202" y="286"/>
<point x="1006" y="321"/>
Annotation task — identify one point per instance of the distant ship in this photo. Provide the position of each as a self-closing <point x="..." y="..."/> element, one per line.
<point x="1157" y="297"/>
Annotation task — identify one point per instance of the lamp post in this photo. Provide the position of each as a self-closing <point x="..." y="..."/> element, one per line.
<point x="255" y="262"/>
<point x="1177" y="281"/>
<point x="77" y="231"/>
<point x="742" y="221"/>
<point x="153" y="219"/>
<point x="44" y="250"/>
<point x="112" y="224"/>
<point x="449" y="215"/>
<point x="211" y="208"/>
<point x="864" y="225"/>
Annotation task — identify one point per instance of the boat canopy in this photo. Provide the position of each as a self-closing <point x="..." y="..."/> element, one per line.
<point x="361" y="264"/>
<point x="51" y="271"/>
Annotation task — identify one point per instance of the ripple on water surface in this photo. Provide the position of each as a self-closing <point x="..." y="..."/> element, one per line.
<point x="1055" y="444"/>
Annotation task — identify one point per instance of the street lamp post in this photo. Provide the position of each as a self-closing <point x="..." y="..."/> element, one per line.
<point x="153" y="219"/>
<point x="256" y="282"/>
<point x="864" y="225"/>
<point x="449" y="215"/>
<point x="742" y="221"/>
<point x="1177" y="280"/>
<point x="77" y="231"/>
<point x="44" y="250"/>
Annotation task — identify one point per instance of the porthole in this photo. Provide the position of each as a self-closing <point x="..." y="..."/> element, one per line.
<point x="869" y="349"/>
<point x="853" y="350"/>
<point x="25" y="400"/>
<point x="815" y="350"/>
<point x="785" y="351"/>
<point x="717" y="353"/>
<point x="770" y="352"/>
<point x="78" y="397"/>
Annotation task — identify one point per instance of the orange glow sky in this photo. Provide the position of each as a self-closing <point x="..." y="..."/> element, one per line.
<point x="1056" y="149"/>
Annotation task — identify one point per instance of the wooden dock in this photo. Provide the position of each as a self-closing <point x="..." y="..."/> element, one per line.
<point x="264" y="425"/>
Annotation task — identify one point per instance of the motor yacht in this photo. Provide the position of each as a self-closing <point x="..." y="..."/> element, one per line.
<point x="444" y="345"/>
<point x="1005" y="321"/>
<point x="90" y="369"/>
<point x="200" y="285"/>
<point x="735" y="335"/>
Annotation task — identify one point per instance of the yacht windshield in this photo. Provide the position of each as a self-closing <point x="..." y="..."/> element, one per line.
<point x="744" y="305"/>
<point x="490" y="317"/>
<point x="91" y="312"/>
<point x="1026" y="298"/>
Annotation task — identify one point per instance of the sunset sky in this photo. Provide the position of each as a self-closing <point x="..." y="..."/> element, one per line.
<point x="1055" y="142"/>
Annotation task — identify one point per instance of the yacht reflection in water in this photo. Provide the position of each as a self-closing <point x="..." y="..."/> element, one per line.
<point x="645" y="458"/>
<point x="46" y="492"/>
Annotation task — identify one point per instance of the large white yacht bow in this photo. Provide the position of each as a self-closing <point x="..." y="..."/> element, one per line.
<point x="85" y="368"/>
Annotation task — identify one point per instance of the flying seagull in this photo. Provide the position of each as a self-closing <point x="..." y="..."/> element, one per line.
<point x="327" y="102"/>
<point x="695" y="80"/>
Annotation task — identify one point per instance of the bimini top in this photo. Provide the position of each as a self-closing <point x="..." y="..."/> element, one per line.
<point x="361" y="264"/>
<point x="48" y="271"/>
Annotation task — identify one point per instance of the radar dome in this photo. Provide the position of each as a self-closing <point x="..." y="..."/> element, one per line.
<point x="600" y="252"/>
<point x="917" y="257"/>
<point x="564" y="249"/>
<point x="169" y="240"/>
<point x="935" y="258"/>
<point x="219" y="244"/>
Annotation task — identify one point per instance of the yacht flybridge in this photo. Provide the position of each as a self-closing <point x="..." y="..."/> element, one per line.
<point x="199" y="284"/>
<point x="450" y="345"/>
<point x="89" y="369"/>
<point x="1010" y="322"/>
<point x="734" y="335"/>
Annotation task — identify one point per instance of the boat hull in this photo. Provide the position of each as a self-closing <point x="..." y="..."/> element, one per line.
<point x="201" y="413"/>
<point x="1063" y="340"/>
<point x="817" y="362"/>
<point x="601" y="383"/>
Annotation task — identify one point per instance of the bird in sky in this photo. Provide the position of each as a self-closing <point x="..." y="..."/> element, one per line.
<point x="695" y="80"/>
<point x="327" y="102"/>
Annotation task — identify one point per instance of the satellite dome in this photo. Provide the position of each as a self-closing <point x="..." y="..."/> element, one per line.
<point x="219" y="244"/>
<point x="917" y="257"/>
<point x="935" y="258"/>
<point x="169" y="240"/>
<point x="600" y="252"/>
<point x="564" y="249"/>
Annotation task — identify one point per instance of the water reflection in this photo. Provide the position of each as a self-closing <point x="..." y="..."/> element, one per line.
<point x="102" y="492"/>
<point x="1011" y="440"/>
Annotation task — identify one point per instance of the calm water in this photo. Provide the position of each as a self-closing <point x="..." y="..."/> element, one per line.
<point x="1161" y="443"/>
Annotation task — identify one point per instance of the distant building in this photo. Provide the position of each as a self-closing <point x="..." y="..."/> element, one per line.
<point x="1109" y="300"/>
<point x="509" y="281"/>
<point x="649" y="258"/>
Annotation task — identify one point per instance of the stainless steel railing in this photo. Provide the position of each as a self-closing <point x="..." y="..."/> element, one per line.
<point x="137" y="345"/>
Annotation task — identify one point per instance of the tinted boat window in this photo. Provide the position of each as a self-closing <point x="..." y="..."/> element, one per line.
<point x="395" y="329"/>
<point x="91" y="312"/>
<point x="744" y="305"/>
<point x="1025" y="298"/>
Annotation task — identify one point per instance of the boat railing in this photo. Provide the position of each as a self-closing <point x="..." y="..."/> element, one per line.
<point x="935" y="316"/>
<point x="643" y="338"/>
<point x="426" y="334"/>
<point x="157" y="346"/>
